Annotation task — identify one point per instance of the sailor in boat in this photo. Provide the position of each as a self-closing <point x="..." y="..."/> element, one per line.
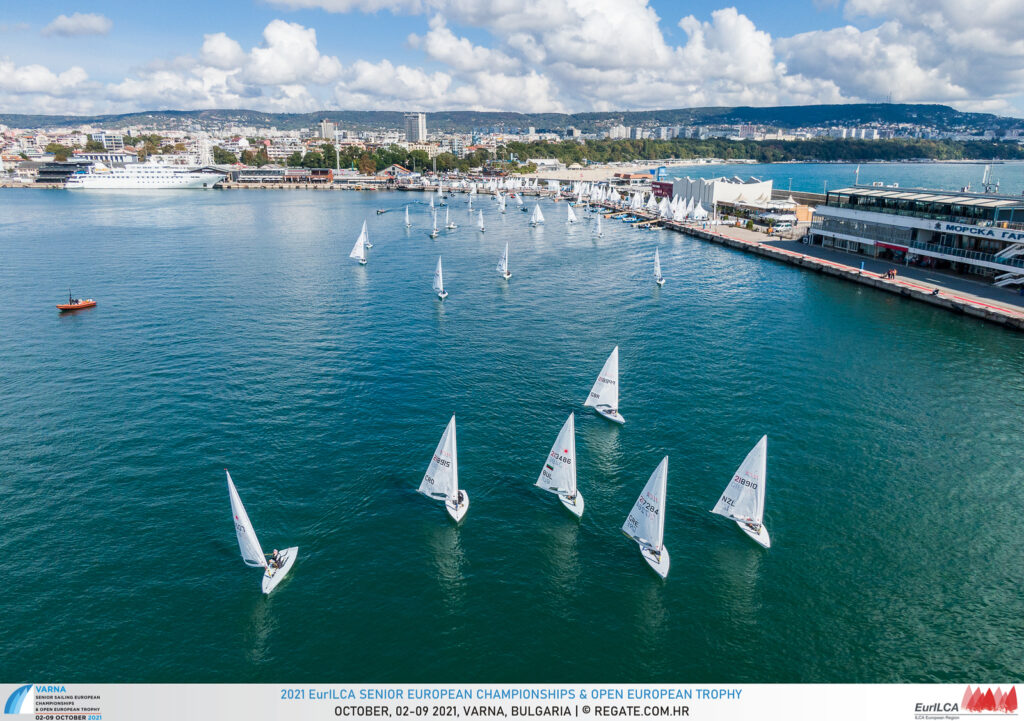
<point x="749" y="523"/>
<point x="276" y="561"/>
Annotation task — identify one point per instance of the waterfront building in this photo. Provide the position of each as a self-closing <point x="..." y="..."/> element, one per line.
<point x="713" y="192"/>
<point x="107" y="158"/>
<point x="977" y="233"/>
<point x="416" y="127"/>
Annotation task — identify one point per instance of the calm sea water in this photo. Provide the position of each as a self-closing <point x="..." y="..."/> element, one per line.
<point x="234" y="331"/>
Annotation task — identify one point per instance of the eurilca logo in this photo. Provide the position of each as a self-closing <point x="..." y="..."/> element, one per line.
<point x="977" y="701"/>
<point x="23" y="700"/>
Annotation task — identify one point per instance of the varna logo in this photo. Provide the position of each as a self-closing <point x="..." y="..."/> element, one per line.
<point x="979" y="701"/>
<point x="23" y="700"/>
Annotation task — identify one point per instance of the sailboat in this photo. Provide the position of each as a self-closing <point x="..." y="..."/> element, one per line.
<point x="537" y="217"/>
<point x="434" y="233"/>
<point x="743" y="499"/>
<point x="480" y="224"/>
<point x="559" y="472"/>
<point x="431" y="202"/>
<point x="441" y="481"/>
<point x="407" y="223"/>
<point x="570" y="215"/>
<point x="450" y="225"/>
<point x="366" y="236"/>
<point x="439" y="280"/>
<point x="249" y="544"/>
<point x="600" y="233"/>
<point x="646" y="522"/>
<point x="657" y="268"/>
<point x="503" y="265"/>
<point x="501" y="203"/>
<point x="359" y="249"/>
<point x="604" y="396"/>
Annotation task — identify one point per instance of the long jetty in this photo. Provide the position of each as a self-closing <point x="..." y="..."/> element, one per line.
<point x="935" y="296"/>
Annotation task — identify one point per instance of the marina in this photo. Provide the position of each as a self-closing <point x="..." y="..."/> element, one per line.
<point x="329" y="401"/>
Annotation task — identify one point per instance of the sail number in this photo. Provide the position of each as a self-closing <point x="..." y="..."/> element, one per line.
<point x="442" y="461"/>
<point x="744" y="482"/>
<point x="644" y="505"/>
<point x="728" y="501"/>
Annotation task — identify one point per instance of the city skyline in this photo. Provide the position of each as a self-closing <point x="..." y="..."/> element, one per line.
<point x="429" y="55"/>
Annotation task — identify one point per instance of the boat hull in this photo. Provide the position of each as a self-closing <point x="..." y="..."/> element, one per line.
<point x="457" y="513"/>
<point x="659" y="562"/>
<point x="273" y="576"/>
<point x="443" y="294"/>
<point x="65" y="307"/>
<point x="574" y="506"/>
<point x="760" y="536"/>
<point x="660" y="281"/>
<point x="611" y="415"/>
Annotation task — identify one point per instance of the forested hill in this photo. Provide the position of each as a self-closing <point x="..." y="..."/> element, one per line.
<point x="940" y="117"/>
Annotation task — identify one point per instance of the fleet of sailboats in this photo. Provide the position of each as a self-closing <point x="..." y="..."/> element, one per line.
<point x="743" y="498"/>
<point x="559" y="472"/>
<point x="645" y="524"/>
<point x="439" y="280"/>
<point x="604" y="396"/>
<point x="278" y="566"/>
<point x="441" y="481"/>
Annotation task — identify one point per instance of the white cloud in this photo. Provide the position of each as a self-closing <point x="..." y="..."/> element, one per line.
<point x="442" y="45"/>
<point x="38" y="79"/>
<point x="222" y="52"/>
<point x="79" y="24"/>
<point x="289" y="55"/>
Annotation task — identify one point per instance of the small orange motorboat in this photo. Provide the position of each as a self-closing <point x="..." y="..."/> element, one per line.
<point x="75" y="303"/>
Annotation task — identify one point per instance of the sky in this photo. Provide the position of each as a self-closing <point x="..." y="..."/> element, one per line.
<point x="518" y="55"/>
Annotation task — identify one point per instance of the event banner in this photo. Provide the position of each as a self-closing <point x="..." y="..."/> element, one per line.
<point x="258" y="702"/>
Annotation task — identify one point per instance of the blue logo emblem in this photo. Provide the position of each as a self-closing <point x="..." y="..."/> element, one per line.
<point x="23" y="700"/>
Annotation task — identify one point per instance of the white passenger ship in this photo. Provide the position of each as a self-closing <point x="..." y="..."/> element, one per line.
<point x="144" y="176"/>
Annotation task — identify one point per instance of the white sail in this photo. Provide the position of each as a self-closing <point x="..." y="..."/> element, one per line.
<point x="435" y="221"/>
<point x="570" y="216"/>
<point x="606" y="387"/>
<point x="481" y="222"/>
<point x="366" y="236"/>
<point x="657" y="265"/>
<point x="559" y="472"/>
<point x="359" y="249"/>
<point x="743" y="498"/>
<point x="519" y="199"/>
<point x="503" y="262"/>
<point x="599" y="231"/>
<point x="646" y="522"/>
<point x="248" y="544"/>
<point x="441" y="481"/>
<point x="538" y="216"/>
<point x="438" y="277"/>
<point x="501" y="202"/>
<point x="431" y="201"/>
<point x="407" y="223"/>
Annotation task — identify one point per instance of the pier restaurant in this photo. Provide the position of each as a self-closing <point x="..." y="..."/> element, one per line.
<point x="970" y="233"/>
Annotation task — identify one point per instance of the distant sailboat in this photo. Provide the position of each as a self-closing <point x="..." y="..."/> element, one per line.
<point x="646" y="522"/>
<point x="604" y="396"/>
<point x="599" y="232"/>
<point x="503" y="264"/>
<point x="441" y="481"/>
<point x="407" y="223"/>
<point x="570" y="216"/>
<point x="559" y="472"/>
<point x="743" y="499"/>
<point x="434" y="232"/>
<point x="249" y="544"/>
<point x="431" y="202"/>
<point x="439" y="280"/>
<point x="449" y="224"/>
<point x="366" y="236"/>
<point x="359" y="249"/>
<point x="537" y="217"/>
<point x="501" y="203"/>
<point x="480" y="224"/>
<point x="657" y="268"/>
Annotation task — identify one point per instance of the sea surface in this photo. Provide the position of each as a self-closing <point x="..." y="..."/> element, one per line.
<point x="233" y="331"/>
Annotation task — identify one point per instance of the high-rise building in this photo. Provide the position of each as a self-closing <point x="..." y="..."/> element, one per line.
<point x="416" y="127"/>
<point x="110" y="141"/>
<point x="327" y="129"/>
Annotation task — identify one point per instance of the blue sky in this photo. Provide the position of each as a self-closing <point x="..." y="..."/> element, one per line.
<point x="529" y="55"/>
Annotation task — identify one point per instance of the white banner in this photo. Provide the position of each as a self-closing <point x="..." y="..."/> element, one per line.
<point x="301" y="701"/>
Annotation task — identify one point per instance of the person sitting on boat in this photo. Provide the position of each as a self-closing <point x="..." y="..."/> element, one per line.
<point x="461" y="499"/>
<point x="276" y="561"/>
